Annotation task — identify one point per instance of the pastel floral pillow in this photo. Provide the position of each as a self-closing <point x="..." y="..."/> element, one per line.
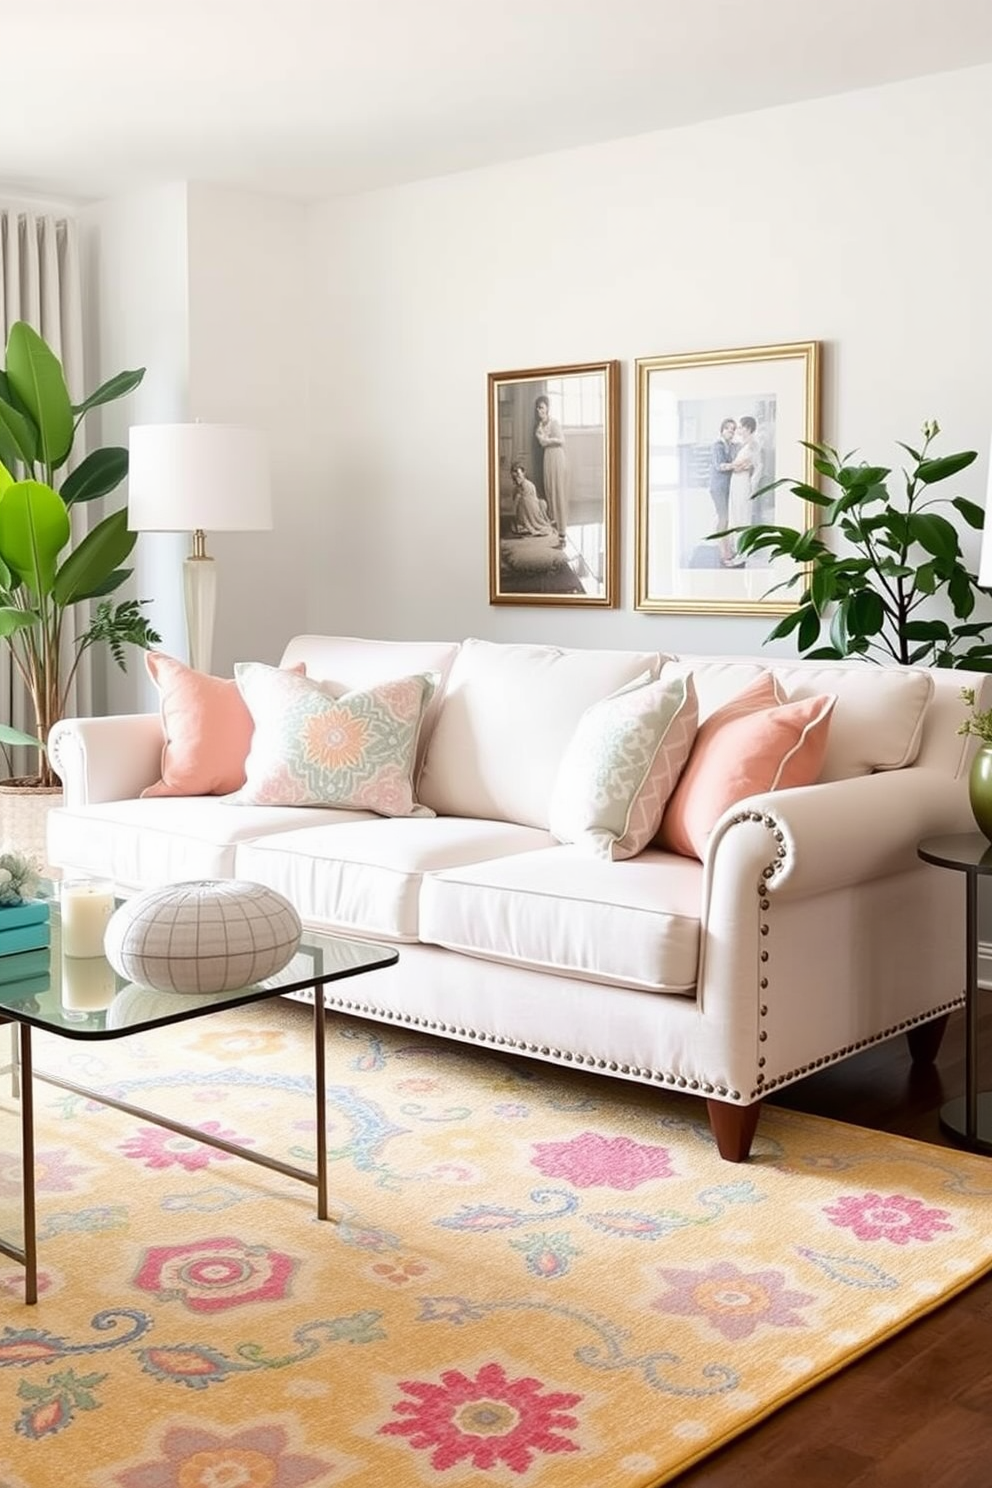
<point x="311" y="748"/>
<point x="621" y="766"/>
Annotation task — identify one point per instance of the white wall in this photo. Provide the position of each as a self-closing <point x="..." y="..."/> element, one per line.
<point x="862" y="221"/>
<point x="203" y="287"/>
<point x="134" y="259"/>
<point x="249" y="352"/>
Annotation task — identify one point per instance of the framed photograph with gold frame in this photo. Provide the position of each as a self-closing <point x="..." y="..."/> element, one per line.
<point x="553" y="485"/>
<point x="713" y="428"/>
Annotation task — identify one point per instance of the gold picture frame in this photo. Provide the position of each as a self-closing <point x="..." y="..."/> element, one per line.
<point x="696" y="476"/>
<point x="553" y="485"/>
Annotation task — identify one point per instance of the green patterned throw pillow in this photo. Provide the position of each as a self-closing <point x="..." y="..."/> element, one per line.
<point x="621" y="766"/>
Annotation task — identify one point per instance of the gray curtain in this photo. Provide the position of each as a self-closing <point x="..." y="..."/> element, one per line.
<point x="40" y="282"/>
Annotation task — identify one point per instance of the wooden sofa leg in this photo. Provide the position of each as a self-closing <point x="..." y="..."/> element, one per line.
<point x="925" y="1039"/>
<point x="733" y="1128"/>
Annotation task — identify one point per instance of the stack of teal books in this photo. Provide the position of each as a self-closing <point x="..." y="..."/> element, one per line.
<point x="24" y="927"/>
<point x="25" y="974"/>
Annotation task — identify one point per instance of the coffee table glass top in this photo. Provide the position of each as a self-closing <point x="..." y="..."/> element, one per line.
<point x="83" y="997"/>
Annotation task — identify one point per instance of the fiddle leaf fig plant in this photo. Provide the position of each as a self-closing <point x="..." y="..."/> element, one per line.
<point x="899" y="555"/>
<point x="44" y="573"/>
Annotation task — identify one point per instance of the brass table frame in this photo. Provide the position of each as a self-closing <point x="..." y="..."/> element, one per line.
<point x="24" y="1074"/>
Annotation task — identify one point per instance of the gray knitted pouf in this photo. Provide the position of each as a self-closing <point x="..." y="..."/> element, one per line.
<point x="212" y="935"/>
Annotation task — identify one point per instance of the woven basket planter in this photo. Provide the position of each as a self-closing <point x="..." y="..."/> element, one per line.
<point x="24" y="812"/>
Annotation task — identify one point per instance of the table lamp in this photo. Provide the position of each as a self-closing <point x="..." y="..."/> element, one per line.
<point x="198" y="478"/>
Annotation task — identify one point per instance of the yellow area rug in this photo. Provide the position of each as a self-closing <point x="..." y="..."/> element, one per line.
<point x="532" y="1277"/>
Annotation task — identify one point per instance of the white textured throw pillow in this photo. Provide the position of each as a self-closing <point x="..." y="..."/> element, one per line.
<point x="621" y="766"/>
<point x="204" y="936"/>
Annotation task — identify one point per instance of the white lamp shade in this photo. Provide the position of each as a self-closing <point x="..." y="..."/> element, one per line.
<point x="190" y="477"/>
<point x="985" y="560"/>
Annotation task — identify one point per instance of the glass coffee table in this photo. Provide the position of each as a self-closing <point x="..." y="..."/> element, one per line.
<point x="85" y="999"/>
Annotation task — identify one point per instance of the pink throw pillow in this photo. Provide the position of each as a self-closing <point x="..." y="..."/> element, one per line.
<point x="754" y="743"/>
<point x="208" y="730"/>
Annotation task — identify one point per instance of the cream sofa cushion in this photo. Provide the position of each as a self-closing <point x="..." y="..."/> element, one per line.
<point x="506" y="718"/>
<point x="142" y="843"/>
<point x="632" y="924"/>
<point x="877" y="723"/>
<point x="365" y="879"/>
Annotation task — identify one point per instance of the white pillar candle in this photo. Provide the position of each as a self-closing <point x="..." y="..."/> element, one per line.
<point x="87" y="905"/>
<point x="88" y="983"/>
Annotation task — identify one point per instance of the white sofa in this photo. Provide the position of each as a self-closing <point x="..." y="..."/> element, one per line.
<point x="811" y="930"/>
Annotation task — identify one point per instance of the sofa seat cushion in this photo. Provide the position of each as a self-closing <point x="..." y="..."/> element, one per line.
<point x="139" y="844"/>
<point x="631" y="924"/>
<point x="365" y="878"/>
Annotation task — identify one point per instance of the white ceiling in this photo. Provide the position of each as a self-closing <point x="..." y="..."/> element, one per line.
<point x="316" y="97"/>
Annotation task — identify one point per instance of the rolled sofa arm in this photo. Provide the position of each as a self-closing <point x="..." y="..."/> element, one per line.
<point x="106" y="759"/>
<point x="830" y="836"/>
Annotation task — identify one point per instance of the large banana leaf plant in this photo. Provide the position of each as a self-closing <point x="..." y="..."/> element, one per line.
<point x="43" y="574"/>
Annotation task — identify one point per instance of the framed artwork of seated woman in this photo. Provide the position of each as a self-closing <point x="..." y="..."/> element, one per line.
<point x="553" y="476"/>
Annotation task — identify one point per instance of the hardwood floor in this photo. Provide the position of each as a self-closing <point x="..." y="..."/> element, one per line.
<point x="916" y="1412"/>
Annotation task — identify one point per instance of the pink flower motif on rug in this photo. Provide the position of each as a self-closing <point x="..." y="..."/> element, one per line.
<point x="732" y="1301"/>
<point x="210" y="1276"/>
<point x="158" y="1148"/>
<point x="487" y="1420"/>
<point x="589" y="1160"/>
<point x="892" y="1217"/>
<point x="53" y="1173"/>
<point x="256" y="1457"/>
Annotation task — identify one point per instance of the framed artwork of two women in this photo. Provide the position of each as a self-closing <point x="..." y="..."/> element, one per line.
<point x="553" y="476"/>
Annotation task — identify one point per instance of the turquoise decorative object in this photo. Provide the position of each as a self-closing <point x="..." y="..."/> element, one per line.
<point x="24" y="927"/>
<point x="25" y="966"/>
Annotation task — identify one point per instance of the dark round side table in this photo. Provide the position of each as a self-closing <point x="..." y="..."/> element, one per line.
<point x="969" y="1116"/>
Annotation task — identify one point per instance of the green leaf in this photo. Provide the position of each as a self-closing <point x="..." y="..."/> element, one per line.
<point x="925" y="582"/>
<point x="931" y="471"/>
<point x="34" y="528"/>
<point x="974" y="515"/>
<point x="107" y="392"/>
<point x="838" y="627"/>
<point x="809" y="629"/>
<point x="865" y="613"/>
<point x="35" y="374"/>
<point x="18" y="436"/>
<point x="910" y="451"/>
<point x="927" y="630"/>
<point x="98" y="475"/>
<point x="12" y="619"/>
<point x="934" y="533"/>
<point x="10" y="735"/>
<point x="822" y="587"/>
<point x="961" y="594"/>
<point x="785" y="626"/>
<point x="113" y="581"/>
<point x="99" y="553"/>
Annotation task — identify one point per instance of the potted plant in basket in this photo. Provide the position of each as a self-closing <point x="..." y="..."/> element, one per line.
<point x="897" y="558"/>
<point x="44" y="572"/>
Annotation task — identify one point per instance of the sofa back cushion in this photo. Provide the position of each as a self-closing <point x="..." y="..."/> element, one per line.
<point x="506" y="718"/>
<point x="877" y="723"/>
<point x="350" y="662"/>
